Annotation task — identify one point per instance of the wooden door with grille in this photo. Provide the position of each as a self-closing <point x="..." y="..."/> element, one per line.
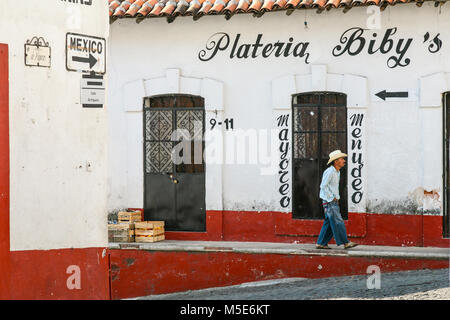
<point x="319" y="126"/>
<point x="174" y="191"/>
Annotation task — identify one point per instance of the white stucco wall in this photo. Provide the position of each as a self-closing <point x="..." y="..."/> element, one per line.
<point x="56" y="200"/>
<point x="402" y="138"/>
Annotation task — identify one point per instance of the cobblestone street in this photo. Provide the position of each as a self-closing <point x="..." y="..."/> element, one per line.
<point x="420" y="284"/>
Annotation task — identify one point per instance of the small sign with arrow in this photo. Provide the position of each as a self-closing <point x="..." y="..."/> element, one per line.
<point x="85" y="53"/>
<point x="92" y="91"/>
<point x="393" y="95"/>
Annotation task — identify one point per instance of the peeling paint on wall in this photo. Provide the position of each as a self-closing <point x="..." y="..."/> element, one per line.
<point x="419" y="201"/>
<point x="428" y="200"/>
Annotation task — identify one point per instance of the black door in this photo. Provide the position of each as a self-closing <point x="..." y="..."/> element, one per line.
<point x="319" y="126"/>
<point x="174" y="192"/>
<point x="446" y="175"/>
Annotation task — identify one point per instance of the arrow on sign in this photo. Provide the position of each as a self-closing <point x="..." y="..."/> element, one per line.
<point x="384" y="94"/>
<point x="91" y="60"/>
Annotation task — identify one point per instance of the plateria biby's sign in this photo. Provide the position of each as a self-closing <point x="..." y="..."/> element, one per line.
<point x="353" y="42"/>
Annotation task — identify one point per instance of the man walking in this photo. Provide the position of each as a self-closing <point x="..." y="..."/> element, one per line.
<point x="329" y="193"/>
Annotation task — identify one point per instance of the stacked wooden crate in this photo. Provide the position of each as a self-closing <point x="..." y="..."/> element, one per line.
<point x="129" y="217"/>
<point x="121" y="232"/>
<point x="124" y="231"/>
<point x="149" y="231"/>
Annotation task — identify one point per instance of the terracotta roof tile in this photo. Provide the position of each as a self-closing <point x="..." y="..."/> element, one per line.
<point x="231" y="6"/>
<point x="269" y="4"/>
<point x="182" y="6"/>
<point x="142" y="9"/>
<point x="218" y="6"/>
<point x="134" y="8"/>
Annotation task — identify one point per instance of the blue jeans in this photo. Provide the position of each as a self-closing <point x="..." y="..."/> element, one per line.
<point x="332" y="226"/>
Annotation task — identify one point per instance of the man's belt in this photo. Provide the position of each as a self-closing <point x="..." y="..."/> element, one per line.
<point x="325" y="203"/>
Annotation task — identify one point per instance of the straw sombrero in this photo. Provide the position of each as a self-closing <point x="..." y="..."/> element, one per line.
<point x="336" y="155"/>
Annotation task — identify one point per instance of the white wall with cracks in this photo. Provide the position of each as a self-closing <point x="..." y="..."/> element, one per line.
<point x="58" y="149"/>
<point x="400" y="138"/>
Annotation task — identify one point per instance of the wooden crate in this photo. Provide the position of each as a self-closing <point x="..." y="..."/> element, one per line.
<point x="121" y="232"/>
<point x="149" y="231"/>
<point x="129" y="217"/>
<point x="149" y="238"/>
<point x="149" y="225"/>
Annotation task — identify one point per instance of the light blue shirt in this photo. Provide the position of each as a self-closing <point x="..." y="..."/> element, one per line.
<point x="329" y="187"/>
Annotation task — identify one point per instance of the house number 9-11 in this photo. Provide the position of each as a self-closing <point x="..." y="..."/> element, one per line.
<point x="227" y="122"/>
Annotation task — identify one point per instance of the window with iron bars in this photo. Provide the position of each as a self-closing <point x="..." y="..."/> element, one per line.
<point x="319" y="126"/>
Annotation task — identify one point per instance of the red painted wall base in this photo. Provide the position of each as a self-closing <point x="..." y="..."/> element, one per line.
<point x="45" y="274"/>
<point x="364" y="228"/>
<point x="5" y="265"/>
<point x="139" y="273"/>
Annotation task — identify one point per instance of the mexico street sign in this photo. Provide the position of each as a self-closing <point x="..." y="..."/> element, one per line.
<point x="85" y="53"/>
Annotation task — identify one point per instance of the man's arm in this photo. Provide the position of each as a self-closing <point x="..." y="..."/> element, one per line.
<point x="326" y="191"/>
<point x="325" y="178"/>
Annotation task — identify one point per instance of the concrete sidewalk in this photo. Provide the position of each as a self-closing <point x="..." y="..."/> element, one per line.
<point x="289" y="249"/>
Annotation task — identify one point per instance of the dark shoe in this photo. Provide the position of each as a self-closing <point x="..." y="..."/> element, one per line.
<point x="349" y="245"/>
<point x="319" y="246"/>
